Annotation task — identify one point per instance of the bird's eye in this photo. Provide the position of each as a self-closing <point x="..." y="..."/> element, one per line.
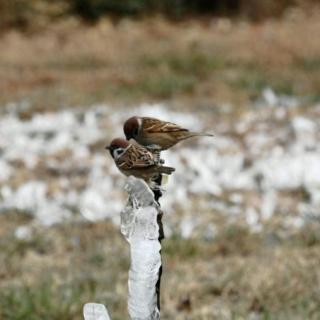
<point x="118" y="152"/>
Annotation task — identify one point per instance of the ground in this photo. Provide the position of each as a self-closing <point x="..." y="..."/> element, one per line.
<point x="215" y="70"/>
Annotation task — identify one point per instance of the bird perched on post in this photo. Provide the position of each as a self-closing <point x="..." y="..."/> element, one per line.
<point x="135" y="160"/>
<point x="157" y="134"/>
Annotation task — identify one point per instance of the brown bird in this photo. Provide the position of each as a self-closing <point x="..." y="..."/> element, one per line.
<point x="135" y="160"/>
<point x="157" y="134"/>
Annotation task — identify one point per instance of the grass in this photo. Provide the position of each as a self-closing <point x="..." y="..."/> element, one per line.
<point x="49" y="300"/>
<point x="311" y="64"/>
<point x="160" y="87"/>
<point x="238" y="272"/>
<point x="193" y="61"/>
<point x="159" y="60"/>
<point x="41" y="301"/>
<point x="55" y="282"/>
<point x="79" y="63"/>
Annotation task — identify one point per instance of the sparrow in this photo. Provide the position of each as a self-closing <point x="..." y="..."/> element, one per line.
<point x="157" y="134"/>
<point x="135" y="160"/>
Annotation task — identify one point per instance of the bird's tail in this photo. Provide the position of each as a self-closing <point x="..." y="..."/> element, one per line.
<point x="199" y="134"/>
<point x="166" y="170"/>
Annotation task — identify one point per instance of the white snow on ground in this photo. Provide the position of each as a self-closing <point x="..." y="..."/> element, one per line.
<point x="64" y="174"/>
<point x="5" y="170"/>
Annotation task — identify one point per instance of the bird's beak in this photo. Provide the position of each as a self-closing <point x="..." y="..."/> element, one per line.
<point x="107" y="147"/>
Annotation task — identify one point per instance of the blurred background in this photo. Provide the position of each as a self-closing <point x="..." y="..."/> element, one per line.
<point x="242" y="211"/>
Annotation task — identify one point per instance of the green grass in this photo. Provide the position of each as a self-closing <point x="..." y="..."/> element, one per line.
<point x="156" y="86"/>
<point x="167" y="86"/>
<point x="191" y="62"/>
<point x="79" y="63"/>
<point x="253" y="79"/>
<point x="310" y="64"/>
<point x="49" y="300"/>
<point x="44" y="301"/>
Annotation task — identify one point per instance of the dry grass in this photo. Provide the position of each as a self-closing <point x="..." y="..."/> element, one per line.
<point x="235" y="275"/>
<point x="204" y="63"/>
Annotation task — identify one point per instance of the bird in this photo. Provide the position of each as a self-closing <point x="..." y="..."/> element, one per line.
<point x="133" y="159"/>
<point x="156" y="134"/>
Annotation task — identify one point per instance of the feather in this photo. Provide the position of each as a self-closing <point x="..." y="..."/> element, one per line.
<point x="153" y="125"/>
<point x="135" y="157"/>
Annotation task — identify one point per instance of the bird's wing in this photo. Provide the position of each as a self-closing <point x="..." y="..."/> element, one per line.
<point x="135" y="157"/>
<point x="153" y="125"/>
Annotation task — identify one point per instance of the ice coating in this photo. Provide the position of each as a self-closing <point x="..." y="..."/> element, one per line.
<point x="95" y="311"/>
<point x="139" y="226"/>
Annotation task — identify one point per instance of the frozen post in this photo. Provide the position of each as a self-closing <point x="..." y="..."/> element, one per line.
<point x="142" y="227"/>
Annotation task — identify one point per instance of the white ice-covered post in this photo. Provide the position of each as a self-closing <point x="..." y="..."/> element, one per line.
<point x="142" y="227"/>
